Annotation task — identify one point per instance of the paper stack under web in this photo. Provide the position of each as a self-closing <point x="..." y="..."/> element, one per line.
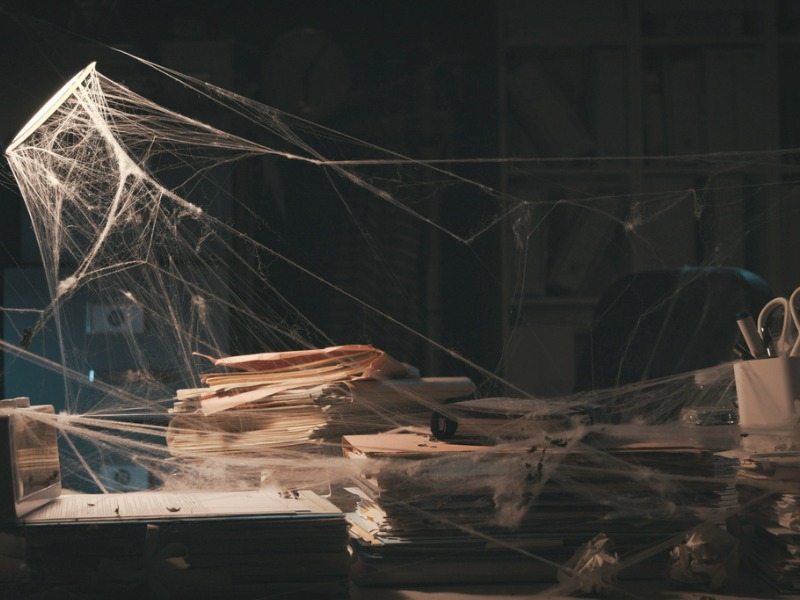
<point x="302" y="398"/>
<point x="769" y="491"/>
<point x="465" y="513"/>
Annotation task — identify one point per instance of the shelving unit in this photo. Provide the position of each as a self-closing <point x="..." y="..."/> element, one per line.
<point x="653" y="125"/>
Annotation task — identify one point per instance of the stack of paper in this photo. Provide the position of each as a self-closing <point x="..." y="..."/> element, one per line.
<point x="296" y="398"/>
<point x="516" y="512"/>
<point x="770" y="495"/>
<point x="250" y="544"/>
<point x="485" y="419"/>
<point x="416" y="514"/>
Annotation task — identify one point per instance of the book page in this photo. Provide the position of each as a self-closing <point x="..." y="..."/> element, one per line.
<point x="171" y="505"/>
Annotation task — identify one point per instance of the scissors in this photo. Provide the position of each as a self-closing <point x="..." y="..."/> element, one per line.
<point x="779" y="325"/>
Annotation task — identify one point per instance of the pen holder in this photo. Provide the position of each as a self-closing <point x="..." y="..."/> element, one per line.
<point x="767" y="391"/>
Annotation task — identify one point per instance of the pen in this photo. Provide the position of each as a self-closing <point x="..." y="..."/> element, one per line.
<point x="742" y="352"/>
<point x="748" y="328"/>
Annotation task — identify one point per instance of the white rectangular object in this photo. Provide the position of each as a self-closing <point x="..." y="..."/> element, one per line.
<point x="767" y="389"/>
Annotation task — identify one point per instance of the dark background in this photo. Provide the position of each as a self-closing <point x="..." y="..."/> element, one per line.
<point x="420" y="80"/>
<point x="426" y="79"/>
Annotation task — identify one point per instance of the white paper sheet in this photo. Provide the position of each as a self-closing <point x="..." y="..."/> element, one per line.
<point x="172" y="505"/>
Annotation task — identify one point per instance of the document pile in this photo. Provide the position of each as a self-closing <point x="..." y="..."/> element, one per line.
<point x="769" y="489"/>
<point x="416" y="512"/>
<point x="280" y="399"/>
<point x="464" y="513"/>
<point x="246" y="544"/>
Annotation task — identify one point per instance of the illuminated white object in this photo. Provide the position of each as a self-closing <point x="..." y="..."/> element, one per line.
<point x="50" y="107"/>
<point x="767" y="390"/>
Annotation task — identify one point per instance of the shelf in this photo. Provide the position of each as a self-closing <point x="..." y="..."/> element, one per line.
<point x="555" y="302"/>
<point x="560" y="171"/>
<point x="555" y="40"/>
<point x="703" y="40"/>
<point x="628" y="107"/>
<point x="515" y="176"/>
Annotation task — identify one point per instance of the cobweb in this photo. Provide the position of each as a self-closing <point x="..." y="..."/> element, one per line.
<point x="154" y="259"/>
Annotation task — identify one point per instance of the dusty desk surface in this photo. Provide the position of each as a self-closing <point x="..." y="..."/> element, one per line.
<point x="176" y="505"/>
<point x="749" y="589"/>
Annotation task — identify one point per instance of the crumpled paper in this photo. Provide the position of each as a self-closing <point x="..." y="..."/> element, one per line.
<point x="593" y="568"/>
<point x="708" y="559"/>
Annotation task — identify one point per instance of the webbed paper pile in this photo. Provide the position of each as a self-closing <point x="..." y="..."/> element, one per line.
<point x="283" y="399"/>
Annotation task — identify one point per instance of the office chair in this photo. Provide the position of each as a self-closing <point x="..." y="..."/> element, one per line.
<point x="657" y="323"/>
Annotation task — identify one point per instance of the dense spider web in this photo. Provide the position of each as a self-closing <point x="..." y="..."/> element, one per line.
<point x="146" y="268"/>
